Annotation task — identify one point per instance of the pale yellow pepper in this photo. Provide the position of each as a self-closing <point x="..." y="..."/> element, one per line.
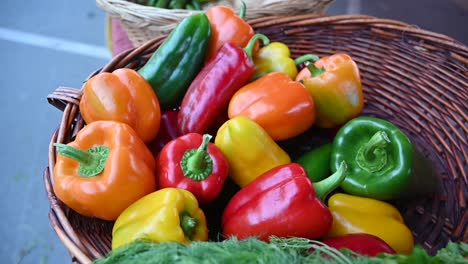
<point x="276" y="57"/>
<point x="249" y="149"/>
<point x="168" y="214"/>
<point x="354" y="214"/>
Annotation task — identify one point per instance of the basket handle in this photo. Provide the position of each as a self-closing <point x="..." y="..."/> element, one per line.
<point x="63" y="96"/>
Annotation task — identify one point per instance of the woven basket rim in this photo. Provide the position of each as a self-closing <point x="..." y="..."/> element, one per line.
<point x="126" y="10"/>
<point x="67" y="99"/>
<point x="143" y="23"/>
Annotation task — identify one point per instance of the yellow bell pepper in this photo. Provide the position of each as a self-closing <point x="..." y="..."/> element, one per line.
<point x="354" y="214"/>
<point x="249" y="149"/>
<point x="168" y="214"/>
<point x="276" y="57"/>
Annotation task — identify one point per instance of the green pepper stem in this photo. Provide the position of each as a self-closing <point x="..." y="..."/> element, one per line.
<point x="92" y="162"/>
<point x="314" y="70"/>
<point x="197" y="164"/>
<point x="188" y="224"/>
<point x="305" y="58"/>
<point x="250" y="46"/>
<point x="324" y="187"/>
<point x="372" y="156"/>
<point x="242" y="10"/>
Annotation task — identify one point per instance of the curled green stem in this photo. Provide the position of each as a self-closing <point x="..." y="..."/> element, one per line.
<point x="188" y="224"/>
<point x="250" y="46"/>
<point x="91" y="162"/>
<point x="242" y="10"/>
<point x="327" y="185"/>
<point x="373" y="156"/>
<point x="314" y="70"/>
<point x="306" y="58"/>
<point x="197" y="164"/>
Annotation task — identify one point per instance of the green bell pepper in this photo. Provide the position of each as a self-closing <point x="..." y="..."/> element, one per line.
<point x="174" y="65"/>
<point x="317" y="162"/>
<point x="379" y="157"/>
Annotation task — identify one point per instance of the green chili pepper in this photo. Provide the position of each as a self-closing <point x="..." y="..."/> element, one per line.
<point x="171" y="4"/>
<point x="196" y="4"/>
<point x="317" y="162"/>
<point x="162" y="3"/>
<point x="379" y="157"/>
<point x="180" y="4"/>
<point x="142" y="2"/>
<point x="174" y="65"/>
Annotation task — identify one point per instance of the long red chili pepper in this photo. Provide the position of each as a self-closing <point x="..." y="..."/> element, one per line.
<point x="209" y="94"/>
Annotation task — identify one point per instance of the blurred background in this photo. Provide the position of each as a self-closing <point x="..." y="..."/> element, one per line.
<point x="44" y="45"/>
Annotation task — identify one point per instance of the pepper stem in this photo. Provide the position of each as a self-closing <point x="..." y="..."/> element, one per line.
<point x="372" y="155"/>
<point x="197" y="163"/>
<point x="92" y="161"/>
<point x="242" y="11"/>
<point x="314" y="70"/>
<point x="250" y="46"/>
<point x="305" y="58"/>
<point x="188" y="224"/>
<point x="324" y="187"/>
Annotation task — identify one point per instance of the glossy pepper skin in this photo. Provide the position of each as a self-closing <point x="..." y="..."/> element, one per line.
<point x="354" y="214"/>
<point x="192" y="163"/>
<point x="276" y="57"/>
<point x="209" y="94"/>
<point x="283" y="107"/>
<point x="166" y="215"/>
<point x="361" y="243"/>
<point x="281" y="202"/>
<point x="122" y="96"/>
<point x="227" y="27"/>
<point x="104" y="170"/>
<point x="380" y="158"/>
<point x="317" y="162"/>
<point x="249" y="150"/>
<point x="335" y="84"/>
<point x="174" y="65"/>
<point x="167" y="131"/>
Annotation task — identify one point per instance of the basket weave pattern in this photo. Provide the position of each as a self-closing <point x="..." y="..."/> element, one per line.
<point x="414" y="78"/>
<point x="143" y="23"/>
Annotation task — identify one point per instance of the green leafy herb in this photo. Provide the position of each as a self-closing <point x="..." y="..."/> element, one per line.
<point x="279" y="250"/>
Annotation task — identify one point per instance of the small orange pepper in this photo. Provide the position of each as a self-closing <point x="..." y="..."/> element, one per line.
<point x="281" y="106"/>
<point x="124" y="96"/>
<point x="228" y="27"/>
<point x="335" y="85"/>
<point x="104" y="170"/>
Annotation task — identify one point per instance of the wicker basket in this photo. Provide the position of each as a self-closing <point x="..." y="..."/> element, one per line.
<point x="414" y="78"/>
<point x="143" y="23"/>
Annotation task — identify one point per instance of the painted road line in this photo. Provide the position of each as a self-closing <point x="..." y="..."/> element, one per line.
<point x="54" y="43"/>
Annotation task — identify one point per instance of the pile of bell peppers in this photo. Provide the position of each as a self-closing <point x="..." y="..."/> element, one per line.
<point x="211" y="108"/>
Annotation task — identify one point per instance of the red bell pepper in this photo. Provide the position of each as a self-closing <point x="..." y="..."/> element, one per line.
<point x="210" y="92"/>
<point x="167" y="131"/>
<point x="364" y="244"/>
<point x="190" y="162"/>
<point x="281" y="202"/>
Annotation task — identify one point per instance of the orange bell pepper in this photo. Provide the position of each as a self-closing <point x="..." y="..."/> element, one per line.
<point x="283" y="107"/>
<point x="335" y="85"/>
<point x="228" y="27"/>
<point x="124" y="96"/>
<point x="104" y="170"/>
